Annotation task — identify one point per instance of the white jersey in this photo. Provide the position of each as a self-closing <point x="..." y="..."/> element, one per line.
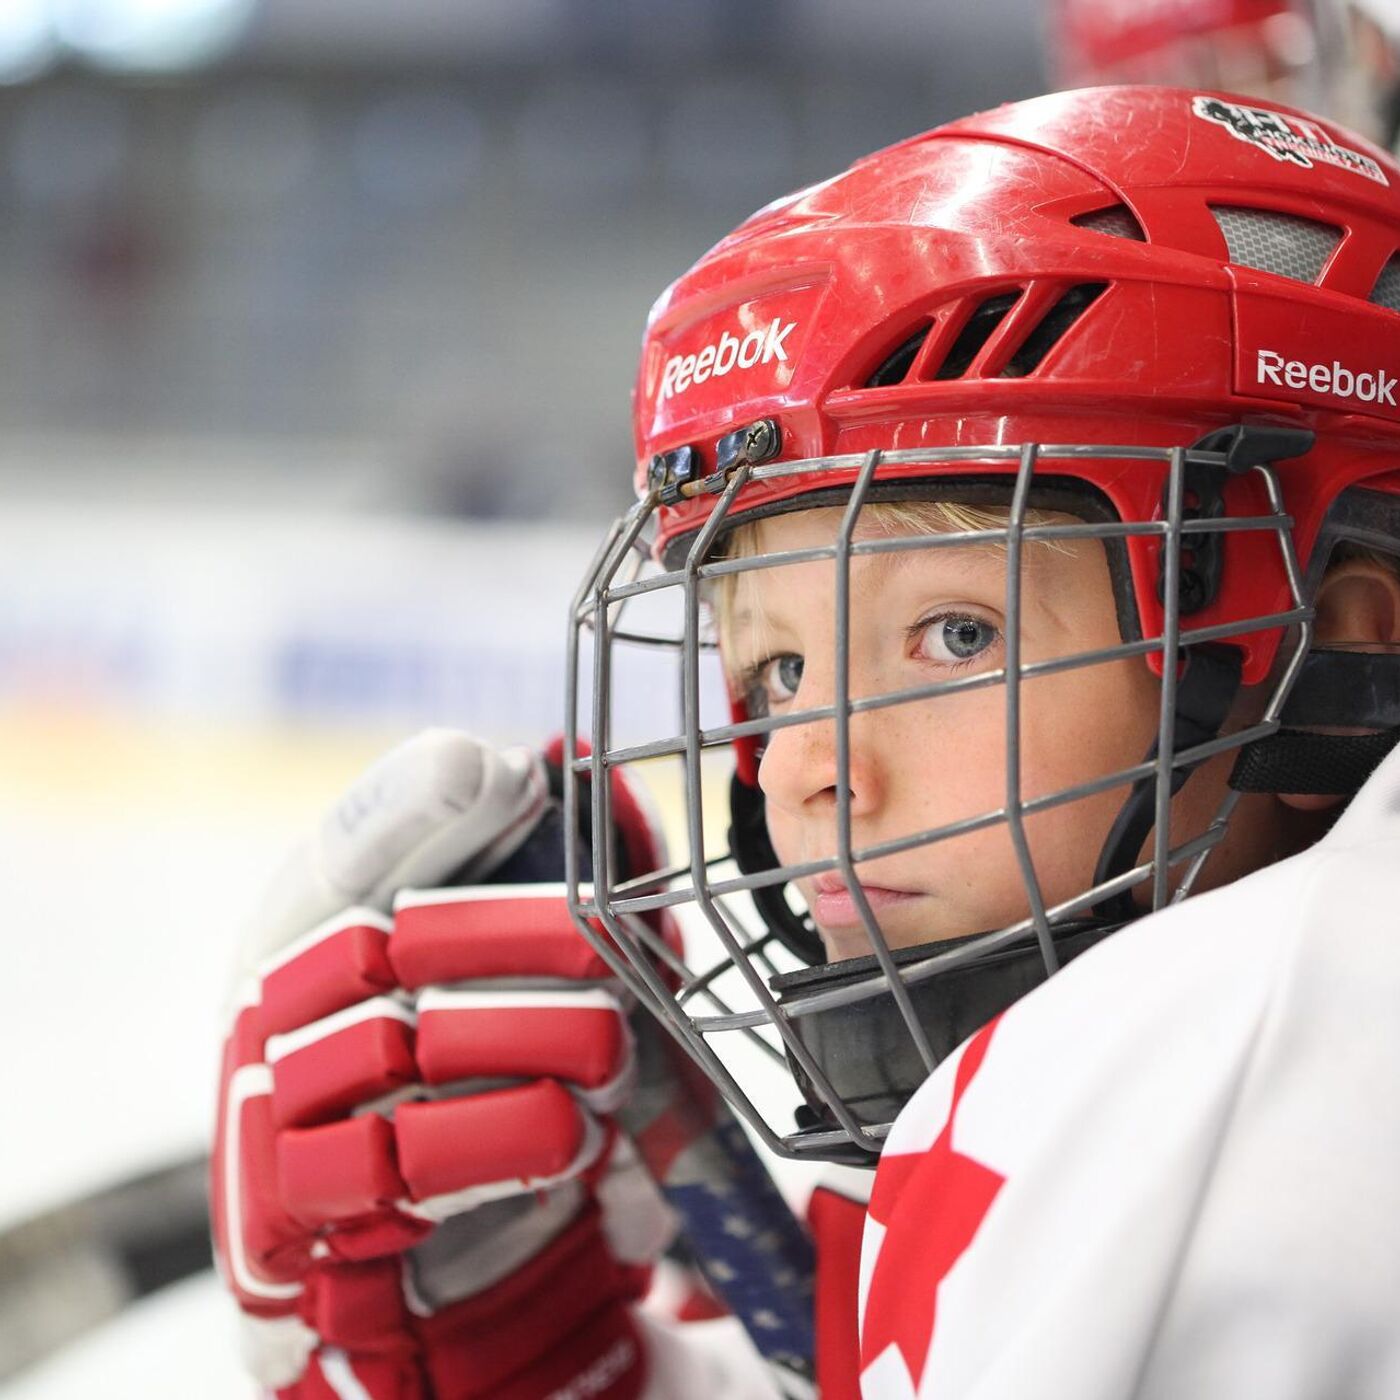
<point x="1173" y="1171"/>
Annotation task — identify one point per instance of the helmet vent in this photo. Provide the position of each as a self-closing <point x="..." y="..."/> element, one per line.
<point x="1386" y="292"/>
<point x="894" y="368"/>
<point x="1284" y="244"/>
<point x="1053" y="325"/>
<point x="975" y="334"/>
<point x="1116" y="221"/>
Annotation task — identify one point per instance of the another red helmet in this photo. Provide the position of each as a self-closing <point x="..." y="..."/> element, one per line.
<point x="1339" y="58"/>
<point x="1081" y="288"/>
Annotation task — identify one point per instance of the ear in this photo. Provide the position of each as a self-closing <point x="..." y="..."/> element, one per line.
<point x="1358" y="605"/>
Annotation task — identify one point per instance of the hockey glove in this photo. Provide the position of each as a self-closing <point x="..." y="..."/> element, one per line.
<point x="417" y="1187"/>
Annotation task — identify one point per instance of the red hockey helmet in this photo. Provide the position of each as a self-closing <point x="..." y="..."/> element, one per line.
<point x="1170" y="314"/>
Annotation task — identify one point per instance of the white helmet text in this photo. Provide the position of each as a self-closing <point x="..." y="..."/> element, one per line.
<point x="729" y="352"/>
<point x="1370" y="386"/>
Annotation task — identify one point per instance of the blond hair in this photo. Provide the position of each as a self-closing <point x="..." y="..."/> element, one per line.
<point x="888" y="518"/>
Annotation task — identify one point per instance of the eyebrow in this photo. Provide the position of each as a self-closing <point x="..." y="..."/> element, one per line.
<point x="978" y="556"/>
<point x="979" y="559"/>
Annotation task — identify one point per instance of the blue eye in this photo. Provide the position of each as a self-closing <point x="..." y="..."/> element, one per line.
<point x="774" y="681"/>
<point x="784" y="676"/>
<point x="957" y="637"/>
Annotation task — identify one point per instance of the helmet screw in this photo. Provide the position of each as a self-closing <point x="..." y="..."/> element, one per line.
<point x="748" y="446"/>
<point x="760" y="440"/>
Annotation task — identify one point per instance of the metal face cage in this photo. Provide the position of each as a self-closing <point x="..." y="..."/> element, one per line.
<point x="835" y="1027"/>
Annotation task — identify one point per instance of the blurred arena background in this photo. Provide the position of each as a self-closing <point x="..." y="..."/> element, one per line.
<point x="319" y="324"/>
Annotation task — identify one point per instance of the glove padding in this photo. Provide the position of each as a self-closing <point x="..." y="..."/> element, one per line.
<point x="413" y="1138"/>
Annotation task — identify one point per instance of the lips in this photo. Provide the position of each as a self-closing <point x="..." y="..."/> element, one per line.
<point x="834" y="906"/>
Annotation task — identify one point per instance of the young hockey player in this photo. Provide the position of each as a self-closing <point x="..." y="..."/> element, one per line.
<point x="1038" y="475"/>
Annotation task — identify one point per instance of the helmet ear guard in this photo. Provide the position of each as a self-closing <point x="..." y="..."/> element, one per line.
<point x="1337" y="687"/>
<point x="1210" y="673"/>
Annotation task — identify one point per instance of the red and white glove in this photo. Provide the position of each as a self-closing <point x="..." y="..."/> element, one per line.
<point x="417" y="1189"/>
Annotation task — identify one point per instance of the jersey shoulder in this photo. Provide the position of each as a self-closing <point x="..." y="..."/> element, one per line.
<point x="1170" y="1089"/>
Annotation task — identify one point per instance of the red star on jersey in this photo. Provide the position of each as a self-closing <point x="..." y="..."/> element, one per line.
<point x="932" y="1204"/>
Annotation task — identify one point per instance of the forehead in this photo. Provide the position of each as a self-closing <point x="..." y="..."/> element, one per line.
<point x="983" y="565"/>
<point x="818" y="528"/>
<point x="1065" y="576"/>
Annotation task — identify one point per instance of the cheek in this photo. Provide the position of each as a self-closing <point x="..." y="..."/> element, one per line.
<point x="949" y="755"/>
<point x="1086" y="724"/>
<point x="784" y="835"/>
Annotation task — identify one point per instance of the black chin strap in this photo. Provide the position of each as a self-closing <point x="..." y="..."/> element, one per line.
<point x="1323" y="764"/>
<point x="1336" y="687"/>
<point x="1204" y="695"/>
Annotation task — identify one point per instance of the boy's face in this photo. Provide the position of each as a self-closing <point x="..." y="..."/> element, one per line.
<point x="919" y="616"/>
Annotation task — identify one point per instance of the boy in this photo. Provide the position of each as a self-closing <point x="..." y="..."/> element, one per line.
<point x="1034" y="472"/>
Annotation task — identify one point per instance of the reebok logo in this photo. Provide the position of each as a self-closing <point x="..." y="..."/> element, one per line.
<point x="729" y="352"/>
<point x="1371" y="386"/>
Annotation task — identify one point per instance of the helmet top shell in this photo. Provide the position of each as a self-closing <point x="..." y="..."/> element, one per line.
<point x="1110" y="265"/>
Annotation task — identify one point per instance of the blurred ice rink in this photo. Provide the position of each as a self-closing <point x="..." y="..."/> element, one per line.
<point x="151" y="1351"/>
<point x="247" y="667"/>
<point x="319" y="325"/>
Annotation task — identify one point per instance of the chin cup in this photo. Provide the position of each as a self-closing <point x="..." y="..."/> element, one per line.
<point x="864" y="1046"/>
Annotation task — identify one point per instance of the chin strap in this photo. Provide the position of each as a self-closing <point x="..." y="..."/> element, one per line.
<point x="1336" y="687"/>
<point x="1322" y="764"/>
<point x="1204" y="695"/>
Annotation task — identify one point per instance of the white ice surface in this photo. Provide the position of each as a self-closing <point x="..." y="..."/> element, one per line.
<point x="118" y="948"/>
<point x="175" y="1345"/>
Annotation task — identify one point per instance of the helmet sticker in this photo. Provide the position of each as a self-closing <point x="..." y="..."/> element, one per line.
<point x="1328" y="368"/>
<point x="765" y="345"/>
<point x="1369" y="386"/>
<point x="1286" y="138"/>
<point x="703" y="375"/>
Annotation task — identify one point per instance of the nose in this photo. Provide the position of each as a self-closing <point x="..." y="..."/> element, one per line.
<point x="799" y="771"/>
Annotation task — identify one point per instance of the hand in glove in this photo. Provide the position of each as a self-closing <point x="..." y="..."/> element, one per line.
<point x="417" y="1186"/>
